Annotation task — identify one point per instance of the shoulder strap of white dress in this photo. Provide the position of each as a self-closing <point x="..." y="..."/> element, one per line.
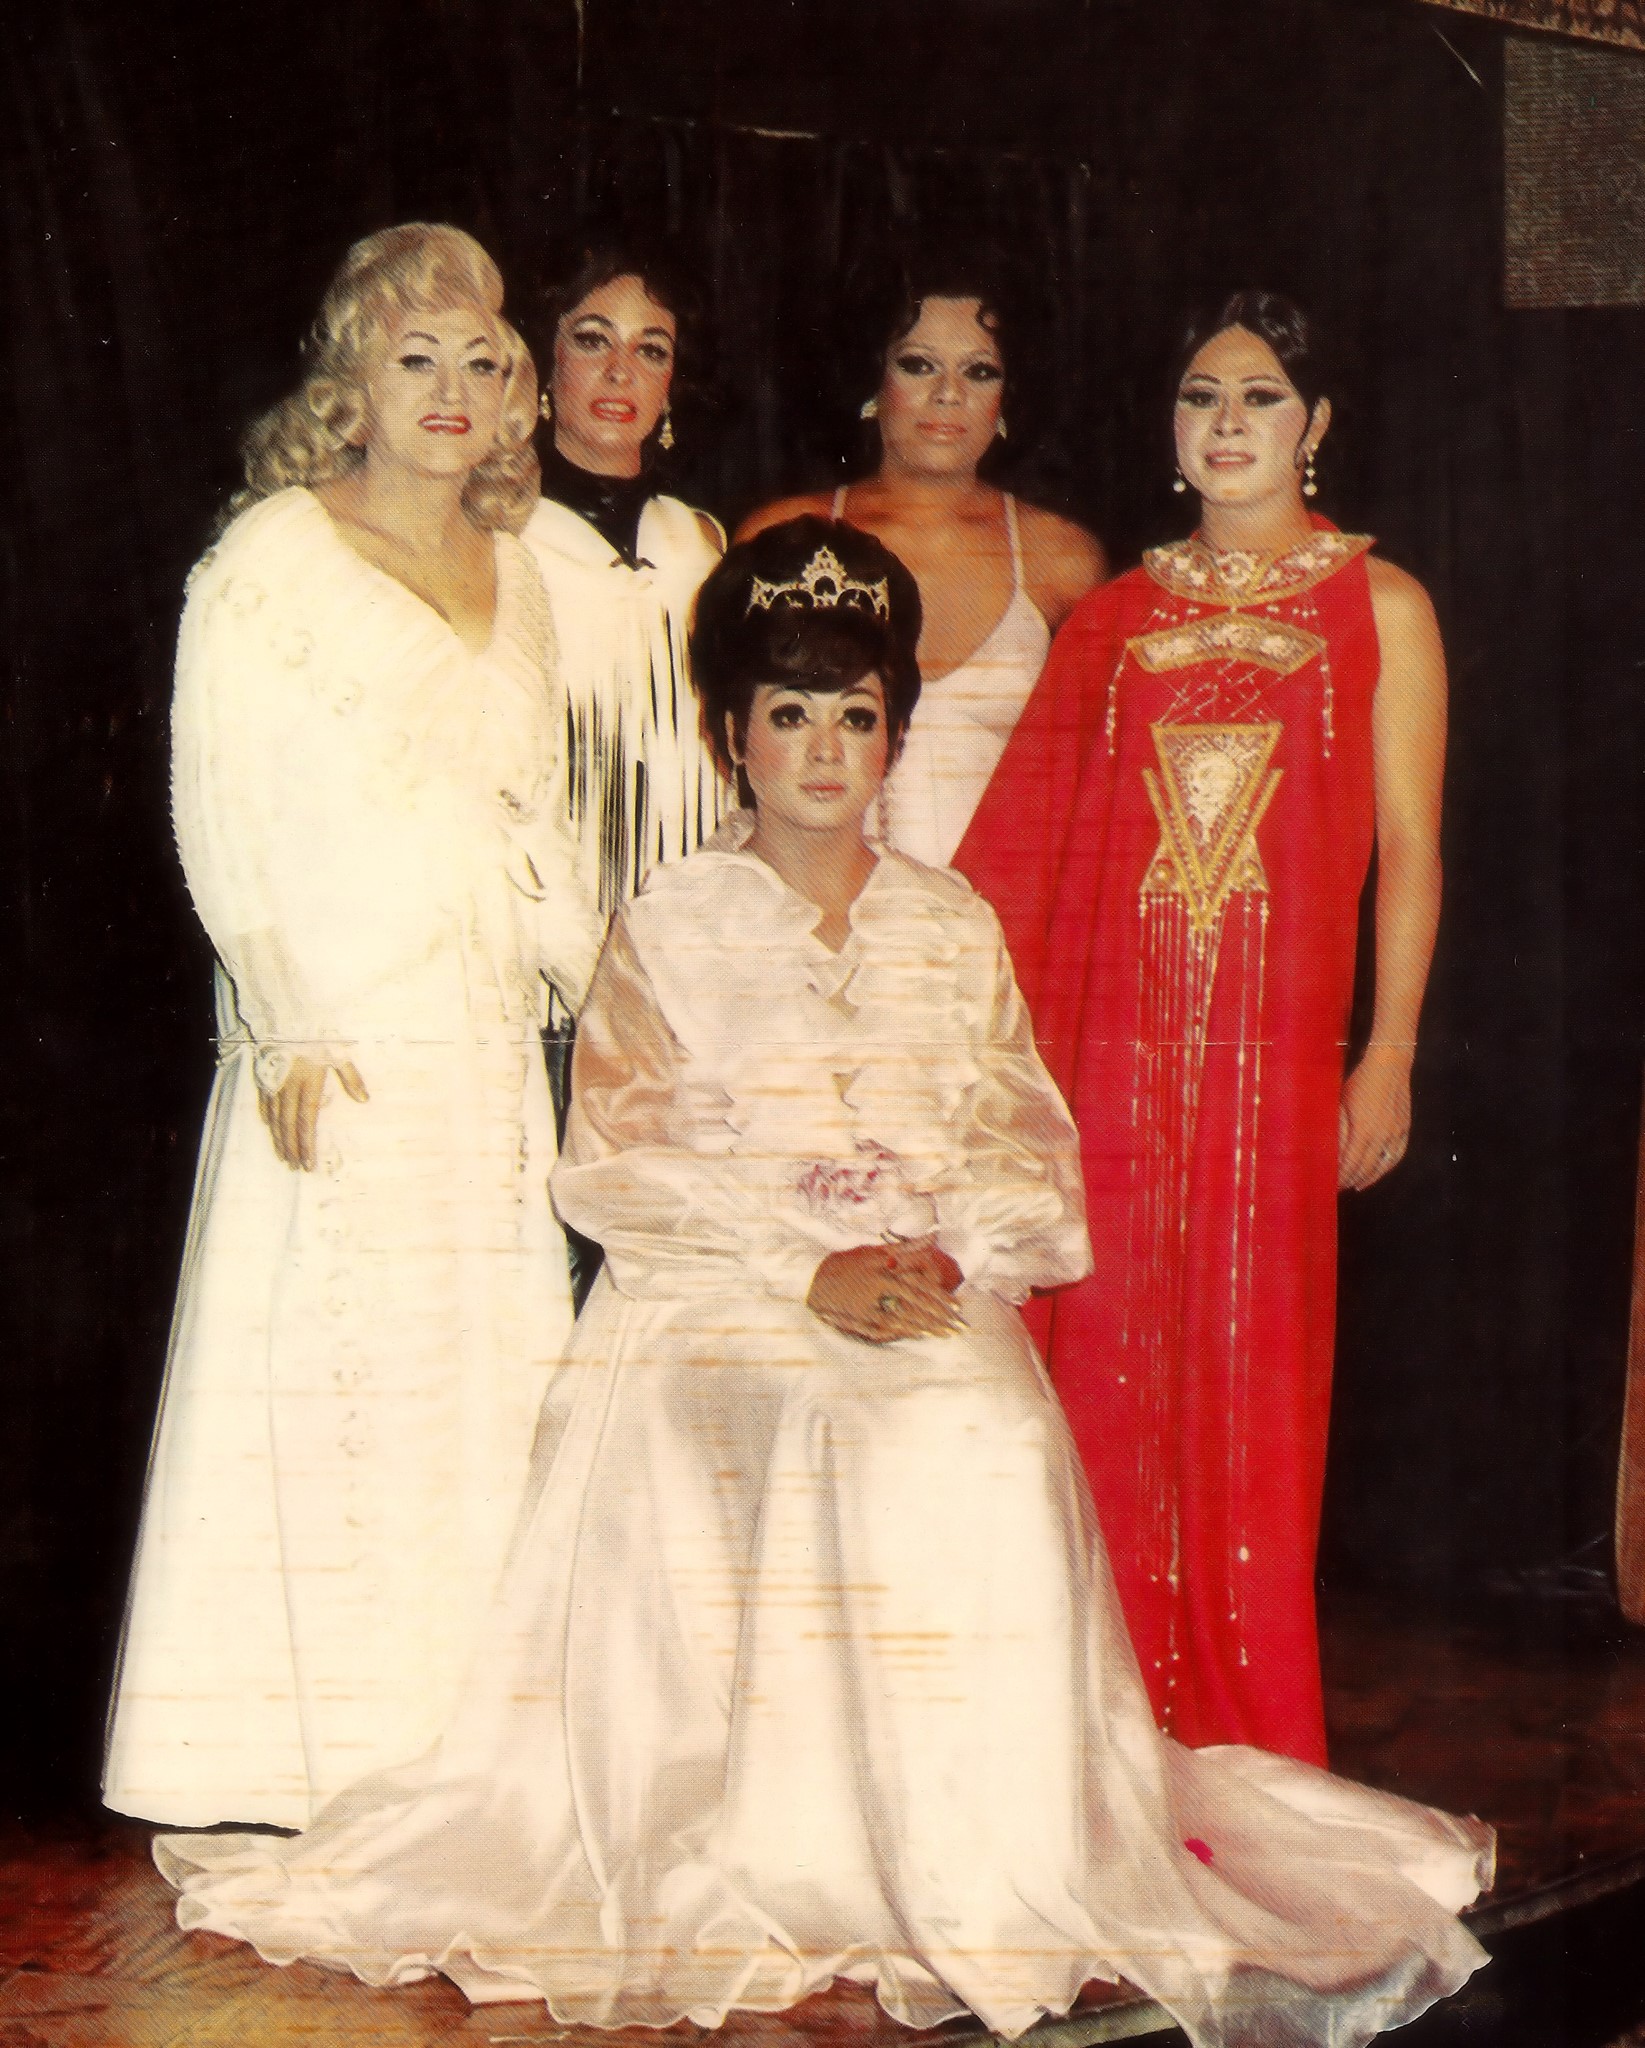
<point x="1014" y="534"/>
<point x="839" y="502"/>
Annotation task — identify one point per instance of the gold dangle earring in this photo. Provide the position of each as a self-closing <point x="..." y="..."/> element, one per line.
<point x="665" y="439"/>
<point x="1310" y="483"/>
<point x="545" y="407"/>
<point x="869" y="409"/>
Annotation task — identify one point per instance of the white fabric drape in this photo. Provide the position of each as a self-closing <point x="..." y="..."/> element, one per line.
<point x="640" y="785"/>
<point x="367" y="815"/>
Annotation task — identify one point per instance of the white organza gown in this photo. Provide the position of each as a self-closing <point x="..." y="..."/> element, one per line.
<point x="807" y="1662"/>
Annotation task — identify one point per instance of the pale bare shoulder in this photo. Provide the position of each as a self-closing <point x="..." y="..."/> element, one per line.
<point x="1397" y="597"/>
<point x="819" y="502"/>
<point x="1408" y="635"/>
<point x="1063" y="560"/>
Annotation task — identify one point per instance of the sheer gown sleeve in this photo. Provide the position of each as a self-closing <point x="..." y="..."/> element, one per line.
<point x="1015" y="1220"/>
<point x="673" y="1220"/>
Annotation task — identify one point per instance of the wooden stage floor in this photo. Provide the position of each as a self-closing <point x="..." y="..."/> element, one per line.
<point x="1531" y="1713"/>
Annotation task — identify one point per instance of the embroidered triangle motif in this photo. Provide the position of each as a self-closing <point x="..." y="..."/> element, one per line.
<point x="1213" y="786"/>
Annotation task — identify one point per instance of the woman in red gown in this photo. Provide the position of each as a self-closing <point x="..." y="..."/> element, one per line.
<point x="1176" y="841"/>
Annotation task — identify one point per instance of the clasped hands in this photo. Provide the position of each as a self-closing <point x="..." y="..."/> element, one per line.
<point x="881" y="1292"/>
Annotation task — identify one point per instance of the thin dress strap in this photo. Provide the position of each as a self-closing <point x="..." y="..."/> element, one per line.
<point x="1015" y="536"/>
<point x="839" y="501"/>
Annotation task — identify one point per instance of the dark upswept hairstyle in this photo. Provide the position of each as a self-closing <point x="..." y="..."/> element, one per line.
<point x="737" y="644"/>
<point x="883" y="315"/>
<point x="601" y="259"/>
<point x="1273" y="318"/>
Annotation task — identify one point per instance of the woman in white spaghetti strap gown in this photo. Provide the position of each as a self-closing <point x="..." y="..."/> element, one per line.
<point x="996" y="578"/>
<point x="963" y="720"/>
<point x="366" y="751"/>
<point x="808" y="1662"/>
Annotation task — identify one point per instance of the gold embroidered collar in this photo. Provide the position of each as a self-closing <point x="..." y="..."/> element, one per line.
<point x="1237" y="579"/>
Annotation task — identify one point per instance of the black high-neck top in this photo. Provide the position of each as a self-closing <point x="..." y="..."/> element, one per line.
<point x="611" y="504"/>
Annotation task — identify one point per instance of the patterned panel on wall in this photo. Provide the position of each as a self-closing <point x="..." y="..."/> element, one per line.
<point x="1606" y="21"/>
<point x="1575" y="175"/>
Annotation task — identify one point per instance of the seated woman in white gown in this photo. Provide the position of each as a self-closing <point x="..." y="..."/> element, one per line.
<point x="807" y="1663"/>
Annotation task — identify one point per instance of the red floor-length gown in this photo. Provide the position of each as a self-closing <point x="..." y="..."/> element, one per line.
<point x="1176" y="841"/>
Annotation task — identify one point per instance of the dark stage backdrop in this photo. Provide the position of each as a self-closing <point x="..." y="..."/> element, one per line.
<point x="179" y="183"/>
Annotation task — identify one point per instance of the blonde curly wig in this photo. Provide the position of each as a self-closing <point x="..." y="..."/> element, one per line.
<point x="313" y="436"/>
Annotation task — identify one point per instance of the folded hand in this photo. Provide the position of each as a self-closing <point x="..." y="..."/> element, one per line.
<point x="882" y="1292"/>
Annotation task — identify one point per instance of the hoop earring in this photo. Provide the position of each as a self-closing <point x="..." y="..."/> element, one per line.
<point x="1310" y="483"/>
<point x="545" y="407"/>
<point x="1179" y="483"/>
<point x="665" y="439"/>
<point x="869" y="409"/>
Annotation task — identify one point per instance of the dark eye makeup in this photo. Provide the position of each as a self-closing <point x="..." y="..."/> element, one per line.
<point x="790" y="715"/>
<point x="1202" y="396"/>
<point x="913" y="364"/>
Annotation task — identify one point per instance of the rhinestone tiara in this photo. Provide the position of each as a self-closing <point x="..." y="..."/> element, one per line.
<point x="823" y="583"/>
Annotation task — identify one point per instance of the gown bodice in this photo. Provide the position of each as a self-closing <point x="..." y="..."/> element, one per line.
<point x="962" y="722"/>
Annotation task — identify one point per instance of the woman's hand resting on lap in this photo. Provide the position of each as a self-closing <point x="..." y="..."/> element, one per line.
<point x="881" y="1292"/>
<point x="292" y="1111"/>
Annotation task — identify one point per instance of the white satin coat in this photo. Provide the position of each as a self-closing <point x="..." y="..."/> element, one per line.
<point x="808" y="1661"/>
<point x="366" y="814"/>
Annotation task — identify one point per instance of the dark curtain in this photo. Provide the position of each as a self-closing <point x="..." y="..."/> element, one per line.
<point x="175" y="196"/>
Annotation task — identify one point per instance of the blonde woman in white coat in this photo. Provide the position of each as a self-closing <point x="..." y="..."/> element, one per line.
<point x="366" y="790"/>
